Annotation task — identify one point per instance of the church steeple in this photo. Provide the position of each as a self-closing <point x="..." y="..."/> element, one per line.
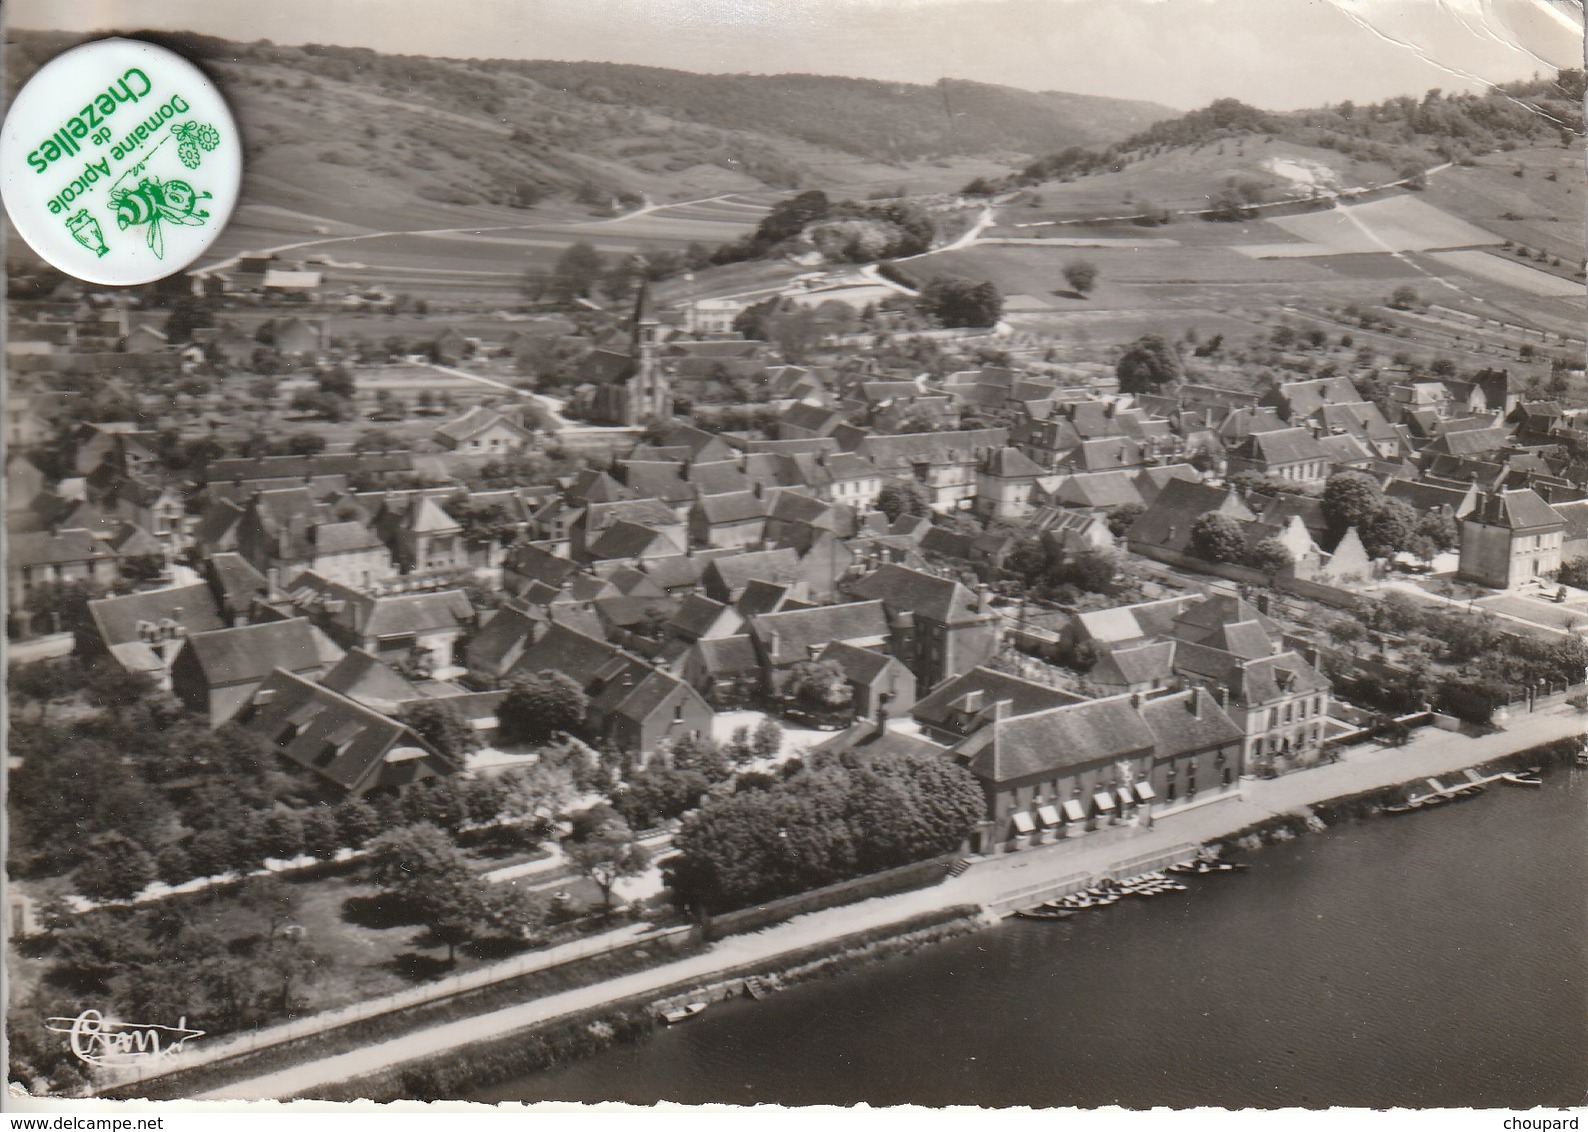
<point x="650" y="395"/>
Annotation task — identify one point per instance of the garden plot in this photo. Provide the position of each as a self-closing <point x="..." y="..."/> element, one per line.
<point x="1511" y="273"/>
<point x="1394" y="224"/>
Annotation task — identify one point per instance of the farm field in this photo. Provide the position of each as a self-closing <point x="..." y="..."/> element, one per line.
<point x="1394" y="224"/>
<point x="1511" y="272"/>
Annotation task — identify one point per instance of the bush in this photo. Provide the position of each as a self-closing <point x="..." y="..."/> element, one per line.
<point x="1472" y="700"/>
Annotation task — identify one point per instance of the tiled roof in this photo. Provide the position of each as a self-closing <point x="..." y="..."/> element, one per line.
<point x="1517" y="510"/>
<point x="236" y="579"/>
<point x="860" y="665"/>
<point x="675" y="571"/>
<point x="49" y="548"/>
<point x="501" y="639"/>
<point x="761" y="597"/>
<point x="717" y="477"/>
<point x="1011" y="463"/>
<point x="192" y="607"/>
<point x="782" y="565"/>
<point x="563" y="649"/>
<point x="904" y="450"/>
<point x="249" y="652"/>
<point x="789" y="636"/>
<point x="728" y="656"/>
<point x="343" y="741"/>
<point x="370" y="681"/>
<point x="1167" y="522"/>
<point x="1097" y="489"/>
<point x="656" y="479"/>
<point x="926" y="595"/>
<point x="696" y="614"/>
<point x="1054" y="740"/>
<point x="477" y="420"/>
<point x="591" y="486"/>
<point x="732" y="507"/>
<point x="970" y="695"/>
<point x="343" y="538"/>
<point x="624" y="539"/>
<point x="648" y="512"/>
<point x="1188" y="721"/>
<point x="1282" y="446"/>
<point x="1148" y="662"/>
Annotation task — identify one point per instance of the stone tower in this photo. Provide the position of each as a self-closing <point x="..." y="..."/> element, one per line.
<point x="649" y="392"/>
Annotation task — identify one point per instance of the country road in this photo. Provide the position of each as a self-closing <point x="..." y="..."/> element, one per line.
<point x="1367" y="767"/>
<point x="544" y="225"/>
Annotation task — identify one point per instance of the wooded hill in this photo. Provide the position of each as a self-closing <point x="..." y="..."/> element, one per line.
<point x="1403" y="131"/>
<point x="513" y="132"/>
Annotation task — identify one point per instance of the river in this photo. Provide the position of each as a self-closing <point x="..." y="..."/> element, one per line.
<point x="1432" y="959"/>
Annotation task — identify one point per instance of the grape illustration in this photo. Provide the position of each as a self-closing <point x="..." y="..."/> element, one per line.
<point x="189" y="153"/>
<point x="208" y="136"/>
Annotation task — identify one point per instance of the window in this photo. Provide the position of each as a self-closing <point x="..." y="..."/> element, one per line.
<point x="1273" y="717"/>
<point x="678" y="712"/>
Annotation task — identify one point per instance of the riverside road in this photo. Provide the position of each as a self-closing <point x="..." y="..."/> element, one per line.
<point x="1367" y="767"/>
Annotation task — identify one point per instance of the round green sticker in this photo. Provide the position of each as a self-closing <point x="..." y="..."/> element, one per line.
<point x="119" y="162"/>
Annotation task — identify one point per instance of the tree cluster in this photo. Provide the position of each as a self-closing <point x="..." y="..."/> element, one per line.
<point x="843" y="231"/>
<point x="1386" y="526"/>
<point x="1147" y="365"/>
<point x="954" y="301"/>
<point x="833" y="818"/>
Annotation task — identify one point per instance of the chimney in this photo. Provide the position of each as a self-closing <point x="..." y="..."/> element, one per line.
<point x="813" y="651"/>
<point x="880" y="727"/>
<point x="1001" y="710"/>
<point x="760" y="491"/>
<point x="772" y="644"/>
<point x="1136" y="700"/>
<point x="1194" y="704"/>
<point x="973" y="701"/>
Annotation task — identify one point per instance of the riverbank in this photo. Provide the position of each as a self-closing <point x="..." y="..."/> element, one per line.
<point x="990" y="879"/>
<point x="452" y="1073"/>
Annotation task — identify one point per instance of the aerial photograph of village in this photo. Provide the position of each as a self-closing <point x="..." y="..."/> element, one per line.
<point x="958" y="552"/>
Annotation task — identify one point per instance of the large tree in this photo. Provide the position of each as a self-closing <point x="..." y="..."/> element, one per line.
<point x="1349" y="499"/>
<point x="1390" y="528"/>
<point x="1270" y="556"/>
<point x="444" y="726"/>
<point x="1148" y="364"/>
<point x="421" y="867"/>
<point x="820" y="683"/>
<point x="540" y="704"/>
<point x="902" y="497"/>
<point x="1081" y="276"/>
<point x="1217" y="538"/>
<point x="607" y="854"/>
<point x="954" y="301"/>
<point x="576" y="273"/>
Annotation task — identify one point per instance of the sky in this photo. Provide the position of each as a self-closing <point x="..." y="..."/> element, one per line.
<point x="1276" y="54"/>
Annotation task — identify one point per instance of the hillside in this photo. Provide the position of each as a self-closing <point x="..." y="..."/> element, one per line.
<point x="323" y="124"/>
<point x="861" y="116"/>
<point x="1405" y="133"/>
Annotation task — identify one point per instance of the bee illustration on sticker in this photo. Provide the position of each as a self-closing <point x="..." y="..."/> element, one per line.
<point x="155" y="203"/>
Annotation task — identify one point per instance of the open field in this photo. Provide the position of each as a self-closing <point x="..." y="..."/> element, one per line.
<point x="1511" y="272"/>
<point x="1394" y="224"/>
<point x="1184" y="179"/>
<point x="1531" y="210"/>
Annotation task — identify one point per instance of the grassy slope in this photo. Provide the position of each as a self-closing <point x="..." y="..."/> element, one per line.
<point x="1551" y="211"/>
<point x="1185" y="178"/>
